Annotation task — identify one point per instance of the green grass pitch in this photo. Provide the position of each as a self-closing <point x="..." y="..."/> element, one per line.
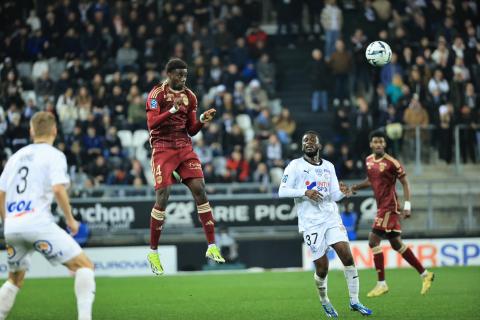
<point x="254" y="296"/>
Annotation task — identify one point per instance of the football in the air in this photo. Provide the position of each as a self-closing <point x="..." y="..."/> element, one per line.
<point x="378" y="53"/>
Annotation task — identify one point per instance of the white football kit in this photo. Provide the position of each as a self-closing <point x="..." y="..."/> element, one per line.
<point x="27" y="180"/>
<point x="320" y="221"/>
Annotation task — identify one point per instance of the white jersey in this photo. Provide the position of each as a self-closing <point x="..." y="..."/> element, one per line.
<point x="300" y="176"/>
<point x="27" y="179"/>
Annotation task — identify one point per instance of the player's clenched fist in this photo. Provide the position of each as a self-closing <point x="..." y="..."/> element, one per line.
<point x="176" y="105"/>
<point x="208" y="115"/>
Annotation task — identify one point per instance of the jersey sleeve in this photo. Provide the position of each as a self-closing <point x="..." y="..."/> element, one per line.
<point x="287" y="186"/>
<point x="153" y="109"/>
<point x="59" y="171"/>
<point x="193" y="126"/>
<point x="396" y="168"/>
<point x="335" y="192"/>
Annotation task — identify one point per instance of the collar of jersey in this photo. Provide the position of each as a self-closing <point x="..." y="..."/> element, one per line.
<point x="317" y="165"/>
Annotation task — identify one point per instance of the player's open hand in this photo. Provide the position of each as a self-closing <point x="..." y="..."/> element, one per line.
<point x="314" y="195"/>
<point x="208" y="115"/>
<point x="73" y="226"/>
<point x="406" y="214"/>
<point x="346" y="190"/>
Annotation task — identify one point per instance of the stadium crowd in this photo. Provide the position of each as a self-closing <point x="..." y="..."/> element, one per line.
<point x="91" y="63"/>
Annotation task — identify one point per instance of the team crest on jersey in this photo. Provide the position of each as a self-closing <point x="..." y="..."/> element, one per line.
<point x="382" y="166"/>
<point x="318" y="172"/>
<point x="43" y="246"/>
<point x="285" y="178"/>
<point x="153" y="104"/>
<point x="10" y="252"/>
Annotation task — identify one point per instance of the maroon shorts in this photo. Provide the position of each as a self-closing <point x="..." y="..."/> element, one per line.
<point x="164" y="161"/>
<point x="387" y="221"/>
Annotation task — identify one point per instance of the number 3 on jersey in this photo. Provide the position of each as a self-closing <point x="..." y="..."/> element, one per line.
<point x="22" y="185"/>
<point x="311" y="238"/>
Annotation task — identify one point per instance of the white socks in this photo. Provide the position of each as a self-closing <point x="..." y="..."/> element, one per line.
<point x="321" y="284"/>
<point x="8" y="292"/>
<point x="353" y="283"/>
<point x="85" y="292"/>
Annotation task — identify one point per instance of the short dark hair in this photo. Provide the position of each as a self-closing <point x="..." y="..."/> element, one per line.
<point x="175" y="63"/>
<point x="311" y="132"/>
<point x="377" y="134"/>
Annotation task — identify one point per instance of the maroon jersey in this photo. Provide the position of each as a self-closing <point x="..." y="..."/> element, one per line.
<point x="382" y="174"/>
<point x="169" y="130"/>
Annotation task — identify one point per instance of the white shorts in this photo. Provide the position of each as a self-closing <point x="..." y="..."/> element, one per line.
<point x="320" y="237"/>
<point x="56" y="245"/>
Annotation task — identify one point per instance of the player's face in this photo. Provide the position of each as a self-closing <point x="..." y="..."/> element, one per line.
<point x="378" y="144"/>
<point x="177" y="78"/>
<point x="310" y="144"/>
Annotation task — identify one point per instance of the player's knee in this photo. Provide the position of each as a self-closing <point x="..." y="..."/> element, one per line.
<point x="17" y="278"/>
<point x="80" y="261"/>
<point x="322" y="273"/>
<point x="399" y="247"/>
<point x="348" y="261"/>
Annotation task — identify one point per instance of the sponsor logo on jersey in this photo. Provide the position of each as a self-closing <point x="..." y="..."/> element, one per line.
<point x="10" y="252"/>
<point x="43" y="246"/>
<point x="153" y="103"/>
<point x="319" y="185"/>
<point x="194" y="165"/>
<point x="21" y="206"/>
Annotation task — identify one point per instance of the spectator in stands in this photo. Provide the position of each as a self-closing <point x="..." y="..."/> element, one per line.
<point x="67" y="111"/>
<point x="341" y="64"/>
<point x="319" y="76"/>
<point x="262" y="176"/>
<point x="362" y="125"/>
<point x="127" y="57"/>
<point x="238" y="169"/>
<point x="239" y="53"/>
<point x="256" y="98"/>
<point x="17" y="133"/>
<point x="394" y="89"/>
<point x="390" y="70"/>
<point x="83" y="102"/>
<point x="445" y="123"/>
<point x="137" y="174"/>
<point x="350" y="220"/>
<point x="98" y="170"/>
<point x="266" y="74"/>
<point x="92" y="142"/>
<point x="204" y="152"/>
<point x="332" y="21"/>
<point x="467" y="118"/>
<point x="415" y="116"/>
<point x="274" y="152"/>
<point x="438" y="82"/>
<point x="285" y="126"/>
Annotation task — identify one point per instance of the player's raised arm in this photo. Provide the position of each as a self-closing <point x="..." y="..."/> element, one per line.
<point x="335" y="191"/>
<point x="155" y="119"/>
